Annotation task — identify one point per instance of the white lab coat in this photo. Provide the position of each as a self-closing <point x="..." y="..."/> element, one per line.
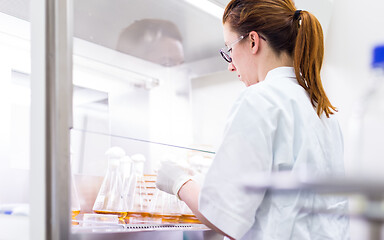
<point x="273" y="127"/>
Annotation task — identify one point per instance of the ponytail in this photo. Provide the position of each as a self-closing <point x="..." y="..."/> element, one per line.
<point x="308" y="58"/>
<point x="286" y="29"/>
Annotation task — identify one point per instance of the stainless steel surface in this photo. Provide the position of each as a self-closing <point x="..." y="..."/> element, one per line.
<point x="58" y="113"/>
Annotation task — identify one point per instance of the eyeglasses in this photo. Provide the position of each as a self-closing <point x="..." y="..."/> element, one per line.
<point x="226" y="51"/>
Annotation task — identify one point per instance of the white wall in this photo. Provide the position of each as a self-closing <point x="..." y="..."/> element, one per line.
<point x="355" y="28"/>
<point x="212" y="97"/>
<point x="321" y="9"/>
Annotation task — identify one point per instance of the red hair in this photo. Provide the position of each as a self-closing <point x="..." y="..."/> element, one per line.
<point x="300" y="37"/>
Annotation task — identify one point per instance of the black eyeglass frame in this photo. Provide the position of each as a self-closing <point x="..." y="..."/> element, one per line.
<point x="225" y="53"/>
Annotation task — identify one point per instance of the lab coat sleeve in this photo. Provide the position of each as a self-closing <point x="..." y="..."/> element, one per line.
<point x="245" y="151"/>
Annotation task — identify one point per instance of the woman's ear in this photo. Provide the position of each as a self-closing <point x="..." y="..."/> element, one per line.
<point x="255" y="41"/>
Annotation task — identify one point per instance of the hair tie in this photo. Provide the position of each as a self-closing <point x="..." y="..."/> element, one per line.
<point x="296" y="16"/>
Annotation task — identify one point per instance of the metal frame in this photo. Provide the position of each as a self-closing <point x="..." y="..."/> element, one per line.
<point x="51" y="108"/>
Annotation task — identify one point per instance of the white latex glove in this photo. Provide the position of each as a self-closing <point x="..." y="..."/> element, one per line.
<point x="172" y="176"/>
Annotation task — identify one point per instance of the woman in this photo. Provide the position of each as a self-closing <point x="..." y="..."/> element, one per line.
<point x="283" y="121"/>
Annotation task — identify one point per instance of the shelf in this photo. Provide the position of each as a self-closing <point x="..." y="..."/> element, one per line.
<point x="134" y="139"/>
<point x="139" y="228"/>
<point x="143" y="231"/>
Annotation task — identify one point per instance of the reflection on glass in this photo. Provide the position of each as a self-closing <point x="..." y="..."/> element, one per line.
<point x="133" y="73"/>
<point x="155" y="40"/>
<point x="144" y="59"/>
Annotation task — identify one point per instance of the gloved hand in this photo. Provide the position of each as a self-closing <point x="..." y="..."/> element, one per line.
<point x="172" y="176"/>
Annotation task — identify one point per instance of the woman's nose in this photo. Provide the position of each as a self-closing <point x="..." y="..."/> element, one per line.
<point x="231" y="67"/>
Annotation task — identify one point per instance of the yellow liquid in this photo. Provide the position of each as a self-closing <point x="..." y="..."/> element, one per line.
<point x="137" y="216"/>
<point x="150" y="178"/>
<point x="167" y="218"/>
<point x="120" y="215"/>
<point x="155" y="215"/>
<point x="189" y="218"/>
<point x="75" y="213"/>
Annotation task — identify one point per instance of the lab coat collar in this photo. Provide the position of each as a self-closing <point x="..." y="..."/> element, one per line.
<point x="281" y="73"/>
